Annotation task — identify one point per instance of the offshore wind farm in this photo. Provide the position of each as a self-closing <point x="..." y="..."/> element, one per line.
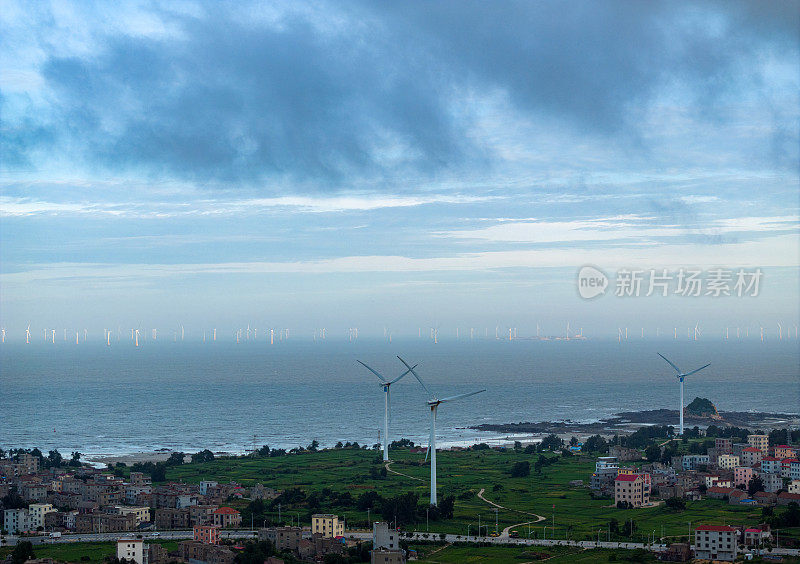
<point x="306" y="390"/>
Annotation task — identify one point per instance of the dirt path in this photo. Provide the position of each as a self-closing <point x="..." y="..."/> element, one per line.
<point x="401" y="474"/>
<point x="507" y="530"/>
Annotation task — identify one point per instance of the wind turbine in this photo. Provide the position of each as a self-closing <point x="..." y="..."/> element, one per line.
<point x="780" y="332"/>
<point x="681" y="376"/>
<point x="385" y="384"/>
<point x="434" y="404"/>
<point x="28" y="335"/>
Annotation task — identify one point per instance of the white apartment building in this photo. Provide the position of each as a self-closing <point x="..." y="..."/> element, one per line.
<point x="131" y="550"/>
<point x="715" y="542"/>
<point x="727" y="461"/>
<point x="327" y="525"/>
<point x="15" y="521"/>
<point x="36" y="513"/>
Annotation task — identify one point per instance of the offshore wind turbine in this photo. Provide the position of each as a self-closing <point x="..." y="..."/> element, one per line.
<point x="681" y="376"/>
<point x="386" y="385"/>
<point x="434" y="404"/>
<point x="28" y="335"/>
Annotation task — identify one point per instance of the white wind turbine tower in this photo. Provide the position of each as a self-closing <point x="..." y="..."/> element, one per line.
<point x="780" y="332"/>
<point x="696" y="330"/>
<point x="136" y="337"/>
<point x="385" y="384"/>
<point x="681" y="376"/>
<point x="434" y="404"/>
<point x="54" y="336"/>
<point x="28" y="335"/>
<point x="3" y="334"/>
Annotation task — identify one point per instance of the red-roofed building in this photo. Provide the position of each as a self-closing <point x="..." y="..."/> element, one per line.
<point x="715" y="542"/>
<point x="755" y="537"/>
<point x="770" y="465"/>
<point x="785" y="498"/>
<point x="227" y="517"/>
<point x="751" y="456"/>
<point x="786" y="467"/>
<point x="631" y="489"/>
<point x="207" y="534"/>
<point x="716" y="492"/>
<point x="784" y="451"/>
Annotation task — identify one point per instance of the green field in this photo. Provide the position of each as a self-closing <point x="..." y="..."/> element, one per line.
<point x="463" y="474"/>
<point x="73" y="552"/>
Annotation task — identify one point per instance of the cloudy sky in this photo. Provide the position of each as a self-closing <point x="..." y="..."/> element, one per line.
<point x="402" y="164"/>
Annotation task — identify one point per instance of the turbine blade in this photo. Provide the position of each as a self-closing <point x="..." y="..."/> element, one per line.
<point x="678" y="370"/>
<point x="382" y="379"/>
<point x="451" y="398"/>
<point x="424" y="387"/>
<point x="403" y="374"/>
<point x="698" y="370"/>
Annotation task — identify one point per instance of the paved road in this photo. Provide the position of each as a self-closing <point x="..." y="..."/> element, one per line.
<point x="247" y="533"/>
<point x="507" y="531"/>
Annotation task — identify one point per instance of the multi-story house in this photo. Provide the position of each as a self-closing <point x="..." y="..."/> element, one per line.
<point x="694" y="461"/>
<point x="715" y="542"/>
<point x="327" y="525"/>
<point x="207" y="534"/>
<point x="772" y="482"/>
<point x="742" y="475"/>
<point x="751" y="456"/>
<point x="770" y="465"/>
<point x="761" y="442"/>
<point x="36" y="513"/>
<point x="630" y="488"/>
<point x="723" y="446"/>
<point x="226" y="517"/>
<point x="727" y="461"/>
<point x="15" y="521"/>
<point x="784" y="451"/>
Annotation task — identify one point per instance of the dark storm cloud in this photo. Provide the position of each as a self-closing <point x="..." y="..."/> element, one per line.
<point x="384" y="93"/>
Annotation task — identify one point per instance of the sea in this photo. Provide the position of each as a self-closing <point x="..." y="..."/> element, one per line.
<point x="120" y="399"/>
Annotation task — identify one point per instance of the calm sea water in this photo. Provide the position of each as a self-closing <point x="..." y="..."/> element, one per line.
<point x="121" y="399"/>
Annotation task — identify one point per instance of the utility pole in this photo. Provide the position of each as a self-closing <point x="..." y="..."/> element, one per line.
<point x="495" y="521"/>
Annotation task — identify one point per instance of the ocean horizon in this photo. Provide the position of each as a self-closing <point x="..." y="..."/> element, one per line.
<point x="185" y="396"/>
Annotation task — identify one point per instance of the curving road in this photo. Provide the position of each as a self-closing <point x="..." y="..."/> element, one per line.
<point x="507" y="531"/>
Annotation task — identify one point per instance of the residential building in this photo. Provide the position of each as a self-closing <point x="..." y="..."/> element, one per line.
<point x="772" y="482"/>
<point x="631" y="489"/>
<point x="751" y="456"/>
<point x="765" y="498"/>
<point x="207" y="534"/>
<point x="327" y="525"/>
<point x="172" y="518"/>
<point x="15" y="521"/>
<point x="131" y="550"/>
<point x="727" y="461"/>
<point x="755" y="537"/>
<point x="624" y="454"/>
<point x="226" y="517"/>
<point x="723" y="446"/>
<point x="761" y="442"/>
<point x="384" y="537"/>
<point x="140" y="479"/>
<point x="205" y="485"/>
<point x="715" y="542"/>
<point x="201" y="514"/>
<point x="784" y="451"/>
<point x="36" y="513"/>
<point x="694" y="461"/>
<point x="383" y="556"/>
<point x="29" y="462"/>
<point x="785" y="498"/>
<point x="133" y="490"/>
<point x="284" y="538"/>
<point x="606" y="470"/>
<point x="770" y="465"/>
<point x="794" y="487"/>
<point x="794" y="469"/>
<point x="141" y="514"/>
<point x="742" y="475"/>
<point x="716" y="492"/>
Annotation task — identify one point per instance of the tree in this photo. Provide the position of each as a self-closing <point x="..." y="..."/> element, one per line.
<point x="755" y="485"/>
<point x="517" y="446"/>
<point x="573" y="441"/>
<point x="22" y="553"/>
<point x="76" y="459"/>
<point x="203" y="456"/>
<point x="652" y="453"/>
<point x="675" y="503"/>
<point x="175" y="459"/>
<point x="551" y="442"/>
<point x="521" y="469"/>
<point x="595" y="443"/>
<point x="54" y="459"/>
<point x="263" y="451"/>
<point x="313" y="446"/>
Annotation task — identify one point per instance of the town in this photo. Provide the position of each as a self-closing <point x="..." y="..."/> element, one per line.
<point x="183" y="510"/>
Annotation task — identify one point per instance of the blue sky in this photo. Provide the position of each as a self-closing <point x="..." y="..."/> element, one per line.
<point x="393" y="164"/>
